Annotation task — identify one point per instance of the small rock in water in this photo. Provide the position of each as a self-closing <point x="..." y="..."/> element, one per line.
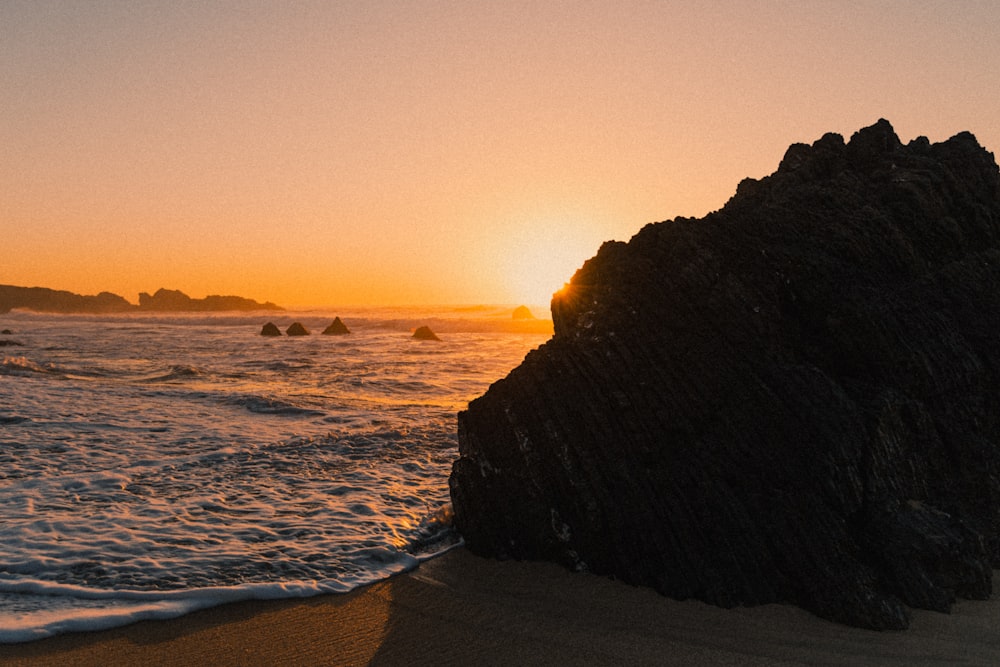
<point x="297" y="330"/>
<point x="425" y="333"/>
<point x="523" y="313"/>
<point x="6" y="332"/>
<point x="337" y="328"/>
<point x="270" y="330"/>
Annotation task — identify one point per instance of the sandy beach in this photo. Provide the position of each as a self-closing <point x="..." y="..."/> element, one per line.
<point x="461" y="609"/>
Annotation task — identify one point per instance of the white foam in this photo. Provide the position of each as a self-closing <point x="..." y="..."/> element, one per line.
<point x="175" y="466"/>
<point x="21" y="366"/>
<point x="36" y="609"/>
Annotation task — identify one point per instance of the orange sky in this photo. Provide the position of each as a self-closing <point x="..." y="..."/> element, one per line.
<point x="339" y="153"/>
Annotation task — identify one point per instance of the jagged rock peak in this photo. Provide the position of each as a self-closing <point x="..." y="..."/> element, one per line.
<point x="336" y="328"/>
<point x="522" y="313"/>
<point x="873" y="150"/>
<point x="175" y="300"/>
<point x="791" y="399"/>
<point x="297" y="329"/>
<point x="270" y="329"/>
<point x="425" y="333"/>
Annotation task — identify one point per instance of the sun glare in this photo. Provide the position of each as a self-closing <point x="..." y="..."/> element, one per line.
<point x="539" y="263"/>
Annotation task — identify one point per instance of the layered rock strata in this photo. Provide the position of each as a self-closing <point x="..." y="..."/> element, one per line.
<point x="793" y="399"/>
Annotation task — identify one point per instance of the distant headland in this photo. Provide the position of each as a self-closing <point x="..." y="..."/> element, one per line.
<point x="45" y="300"/>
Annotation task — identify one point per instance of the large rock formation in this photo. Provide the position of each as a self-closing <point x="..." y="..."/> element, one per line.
<point x="42" y="299"/>
<point x="792" y="399"/>
<point x="177" y="301"/>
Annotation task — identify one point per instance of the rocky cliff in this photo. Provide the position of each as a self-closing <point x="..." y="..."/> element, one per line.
<point x="792" y="399"/>
<point x="177" y="301"/>
<point x="42" y="299"/>
<point x="45" y="300"/>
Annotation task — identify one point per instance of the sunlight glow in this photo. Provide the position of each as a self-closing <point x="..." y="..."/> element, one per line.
<point x="427" y="153"/>
<point x="541" y="260"/>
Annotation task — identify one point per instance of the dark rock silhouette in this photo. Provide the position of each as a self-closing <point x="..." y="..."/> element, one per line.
<point x="10" y="343"/>
<point x="270" y="329"/>
<point x="42" y="299"/>
<point x="523" y="313"/>
<point x="177" y="301"/>
<point x="792" y="399"/>
<point x="296" y="329"/>
<point x="425" y="333"/>
<point x="336" y="328"/>
<point x="6" y="332"/>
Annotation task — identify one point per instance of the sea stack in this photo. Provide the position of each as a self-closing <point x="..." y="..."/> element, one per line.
<point x="523" y="313"/>
<point x="296" y="329"/>
<point x="270" y="329"/>
<point x="425" y="333"/>
<point x="792" y="399"/>
<point x="336" y="328"/>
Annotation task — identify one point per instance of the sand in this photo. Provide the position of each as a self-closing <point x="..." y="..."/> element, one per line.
<point x="460" y="609"/>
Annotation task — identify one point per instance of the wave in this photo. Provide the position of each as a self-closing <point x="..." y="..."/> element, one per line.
<point x="285" y="366"/>
<point x="47" y="609"/>
<point x="398" y="386"/>
<point x="176" y="372"/>
<point x="77" y="608"/>
<point x="454" y="325"/>
<point x="435" y="534"/>
<point x="15" y="419"/>
<point x="23" y="366"/>
<point x="138" y="321"/>
<point x="263" y="405"/>
<point x="236" y="462"/>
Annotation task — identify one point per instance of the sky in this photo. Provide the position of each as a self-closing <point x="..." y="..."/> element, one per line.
<point x="440" y="152"/>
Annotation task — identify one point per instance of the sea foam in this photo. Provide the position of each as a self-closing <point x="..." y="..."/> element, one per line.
<point x="152" y="466"/>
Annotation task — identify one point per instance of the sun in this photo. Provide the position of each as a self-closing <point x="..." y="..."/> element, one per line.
<point x="539" y="261"/>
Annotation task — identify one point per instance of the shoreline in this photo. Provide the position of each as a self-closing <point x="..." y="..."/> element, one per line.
<point x="458" y="608"/>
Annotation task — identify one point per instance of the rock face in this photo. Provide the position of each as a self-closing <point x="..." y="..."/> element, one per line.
<point x="296" y="329"/>
<point x="425" y="333"/>
<point x="792" y="399"/>
<point x="336" y="328"/>
<point x="270" y="329"/>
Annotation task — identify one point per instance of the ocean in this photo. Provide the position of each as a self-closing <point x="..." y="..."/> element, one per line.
<point x="155" y="464"/>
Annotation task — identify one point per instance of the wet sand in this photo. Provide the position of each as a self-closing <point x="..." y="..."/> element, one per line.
<point x="460" y="609"/>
